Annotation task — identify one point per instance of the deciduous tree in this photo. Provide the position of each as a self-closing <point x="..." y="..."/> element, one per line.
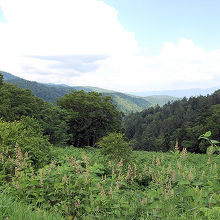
<point x="91" y="116"/>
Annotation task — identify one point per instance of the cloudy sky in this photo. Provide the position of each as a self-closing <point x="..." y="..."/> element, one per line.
<point x="124" y="45"/>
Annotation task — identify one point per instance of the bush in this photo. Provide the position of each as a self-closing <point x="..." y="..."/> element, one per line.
<point x="115" y="147"/>
<point x="19" y="137"/>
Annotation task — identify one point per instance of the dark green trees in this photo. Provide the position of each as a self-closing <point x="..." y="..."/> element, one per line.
<point x="16" y="103"/>
<point x="91" y="116"/>
<point x="184" y="120"/>
<point x="79" y="119"/>
<point x="53" y="120"/>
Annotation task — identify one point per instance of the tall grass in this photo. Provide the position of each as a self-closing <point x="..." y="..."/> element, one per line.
<point x="12" y="209"/>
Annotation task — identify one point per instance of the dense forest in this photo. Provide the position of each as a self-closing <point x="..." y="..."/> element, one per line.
<point x="183" y="121"/>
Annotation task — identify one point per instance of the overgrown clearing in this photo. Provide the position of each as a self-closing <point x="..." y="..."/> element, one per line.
<point x="83" y="184"/>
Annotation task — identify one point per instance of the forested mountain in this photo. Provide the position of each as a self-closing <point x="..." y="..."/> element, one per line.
<point x="183" y="121"/>
<point x="160" y="99"/>
<point x="50" y="92"/>
<point x="125" y="102"/>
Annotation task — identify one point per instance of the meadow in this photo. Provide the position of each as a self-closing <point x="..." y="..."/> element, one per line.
<point x="85" y="184"/>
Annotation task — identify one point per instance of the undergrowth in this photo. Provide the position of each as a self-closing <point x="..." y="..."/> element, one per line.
<point x="83" y="184"/>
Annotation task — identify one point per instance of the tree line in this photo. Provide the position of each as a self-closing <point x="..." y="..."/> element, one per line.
<point x="182" y="122"/>
<point x="81" y="118"/>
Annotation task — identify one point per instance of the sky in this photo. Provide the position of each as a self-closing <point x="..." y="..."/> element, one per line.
<point x="123" y="45"/>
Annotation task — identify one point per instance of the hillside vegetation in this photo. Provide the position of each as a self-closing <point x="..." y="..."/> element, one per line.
<point x="160" y="99"/>
<point x="159" y="128"/>
<point x="51" y="92"/>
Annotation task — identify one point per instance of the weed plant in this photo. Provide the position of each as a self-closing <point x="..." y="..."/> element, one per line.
<point x="80" y="184"/>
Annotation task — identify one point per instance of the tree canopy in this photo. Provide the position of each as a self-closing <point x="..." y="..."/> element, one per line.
<point x="91" y="116"/>
<point x="16" y="103"/>
<point x="158" y="128"/>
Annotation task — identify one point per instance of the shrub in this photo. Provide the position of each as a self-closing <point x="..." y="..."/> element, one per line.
<point x="19" y="137"/>
<point x="115" y="147"/>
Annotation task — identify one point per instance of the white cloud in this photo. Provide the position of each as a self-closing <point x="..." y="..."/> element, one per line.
<point x="179" y="66"/>
<point x="81" y="42"/>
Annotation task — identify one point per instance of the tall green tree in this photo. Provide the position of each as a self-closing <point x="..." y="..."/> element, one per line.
<point x="91" y="116"/>
<point x="53" y="120"/>
<point x="16" y="103"/>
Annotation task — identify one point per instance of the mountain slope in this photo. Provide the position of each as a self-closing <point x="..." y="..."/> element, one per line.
<point x="160" y="128"/>
<point x="8" y="76"/>
<point x="160" y="99"/>
<point x="51" y="92"/>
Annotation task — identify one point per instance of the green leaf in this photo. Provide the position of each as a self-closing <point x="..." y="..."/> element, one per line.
<point x="202" y="137"/>
<point x="207" y="134"/>
<point x="184" y="182"/>
<point x="197" y="183"/>
<point x="214" y="142"/>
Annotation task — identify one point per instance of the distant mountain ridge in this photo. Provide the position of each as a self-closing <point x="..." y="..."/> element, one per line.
<point x="50" y="92"/>
<point x="180" y="93"/>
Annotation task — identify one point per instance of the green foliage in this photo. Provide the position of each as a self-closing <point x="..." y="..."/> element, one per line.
<point x="91" y="116"/>
<point x="43" y="91"/>
<point x="16" y="102"/>
<point x="12" y="209"/>
<point x="185" y="120"/>
<point x="115" y="147"/>
<point x="125" y="103"/>
<point x="105" y="183"/>
<point x="211" y="213"/>
<point x="82" y="185"/>
<point x="160" y="99"/>
<point x="19" y="137"/>
<point x="128" y="103"/>
<point x="213" y="148"/>
<point x="53" y="120"/>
